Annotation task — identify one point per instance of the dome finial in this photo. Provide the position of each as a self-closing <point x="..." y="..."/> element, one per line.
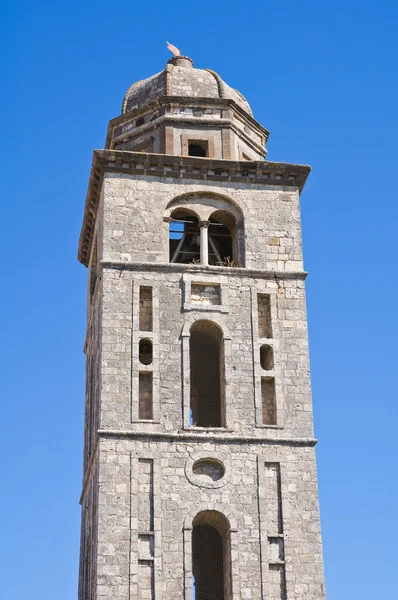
<point x="173" y="49"/>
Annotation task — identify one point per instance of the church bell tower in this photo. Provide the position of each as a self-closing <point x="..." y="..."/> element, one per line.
<point x="199" y="464"/>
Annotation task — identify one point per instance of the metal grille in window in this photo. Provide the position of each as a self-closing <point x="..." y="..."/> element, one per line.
<point x="207" y="563"/>
<point x="205" y="371"/>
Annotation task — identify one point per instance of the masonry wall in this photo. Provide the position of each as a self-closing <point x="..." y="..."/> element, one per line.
<point x="135" y="208"/>
<point x="239" y="323"/>
<point x="148" y="488"/>
<point x="245" y="498"/>
<point x="165" y="128"/>
<point x="89" y="533"/>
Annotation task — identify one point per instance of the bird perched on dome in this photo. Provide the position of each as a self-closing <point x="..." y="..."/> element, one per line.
<point x="173" y="49"/>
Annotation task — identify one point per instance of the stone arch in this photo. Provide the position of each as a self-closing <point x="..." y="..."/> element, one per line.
<point x="184" y="236"/>
<point x="222" y="509"/>
<point x="211" y="556"/>
<point x="224" y="245"/>
<point x="204" y="203"/>
<point x="210" y="542"/>
<point x="185" y="210"/>
<point x="223" y="236"/>
<point x="216" y="319"/>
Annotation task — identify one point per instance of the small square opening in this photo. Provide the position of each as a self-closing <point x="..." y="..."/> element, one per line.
<point x="198" y="148"/>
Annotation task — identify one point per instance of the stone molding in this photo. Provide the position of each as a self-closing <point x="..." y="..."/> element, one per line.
<point x="169" y="120"/>
<point x="216" y="507"/>
<point x="201" y="270"/>
<point x="219" y="438"/>
<point x="193" y="435"/>
<point x="200" y="136"/>
<point x="164" y="101"/>
<point x="188" y="305"/>
<point x="207" y="455"/>
<point x="180" y="167"/>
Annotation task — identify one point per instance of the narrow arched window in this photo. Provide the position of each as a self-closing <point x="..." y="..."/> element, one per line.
<point x="145" y="351"/>
<point x="184" y="238"/>
<point x="223" y="243"/>
<point x="207" y="375"/>
<point x="211" y="556"/>
<point x="266" y="357"/>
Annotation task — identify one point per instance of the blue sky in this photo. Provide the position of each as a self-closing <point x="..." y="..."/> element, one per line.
<point x="322" y="78"/>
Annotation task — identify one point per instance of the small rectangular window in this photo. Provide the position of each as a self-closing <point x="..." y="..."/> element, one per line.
<point x="198" y="148"/>
<point x="145" y="406"/>
<point x="264" y="316"/>
<point x="145" y="309"/>
<point x="268" y="400"/>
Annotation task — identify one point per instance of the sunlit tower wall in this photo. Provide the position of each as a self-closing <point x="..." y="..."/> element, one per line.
<point x="199" y="465"/>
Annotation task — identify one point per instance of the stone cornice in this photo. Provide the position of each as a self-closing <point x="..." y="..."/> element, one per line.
<point x="180" y="167"/>
<point x="219" y="438"/>
<point x="202" y="269"/>
<point x="188" y="121"/>
<point x="188" y="436"/>
<point x="152" y="105"/>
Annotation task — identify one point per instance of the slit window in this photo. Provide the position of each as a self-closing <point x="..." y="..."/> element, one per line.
<point x="268" y="400"/>
<point x="145" y="405"/>
<point x="206" y="369"/>
<point x="145" y="314"/>
<point x="264" y="316"/>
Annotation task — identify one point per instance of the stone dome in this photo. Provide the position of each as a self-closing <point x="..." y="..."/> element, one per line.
<point x="180" y="78"/>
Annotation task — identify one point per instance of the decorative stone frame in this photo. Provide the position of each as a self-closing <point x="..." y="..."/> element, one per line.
<point x="214" y="485"/>
<point x="188" y="280"/>
<point x="136" y="366"/>
<point x="133" y="458"/>
<point x="233" y="541"/>
<point x="244" y="154"/>
<point x="200" y="137"/>
<point x="272" y="456"/>
<point x="186" y="369"/>
<point x="258" y="371"/>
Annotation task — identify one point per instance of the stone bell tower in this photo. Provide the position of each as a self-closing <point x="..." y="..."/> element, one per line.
<point x="199" y="464"/>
